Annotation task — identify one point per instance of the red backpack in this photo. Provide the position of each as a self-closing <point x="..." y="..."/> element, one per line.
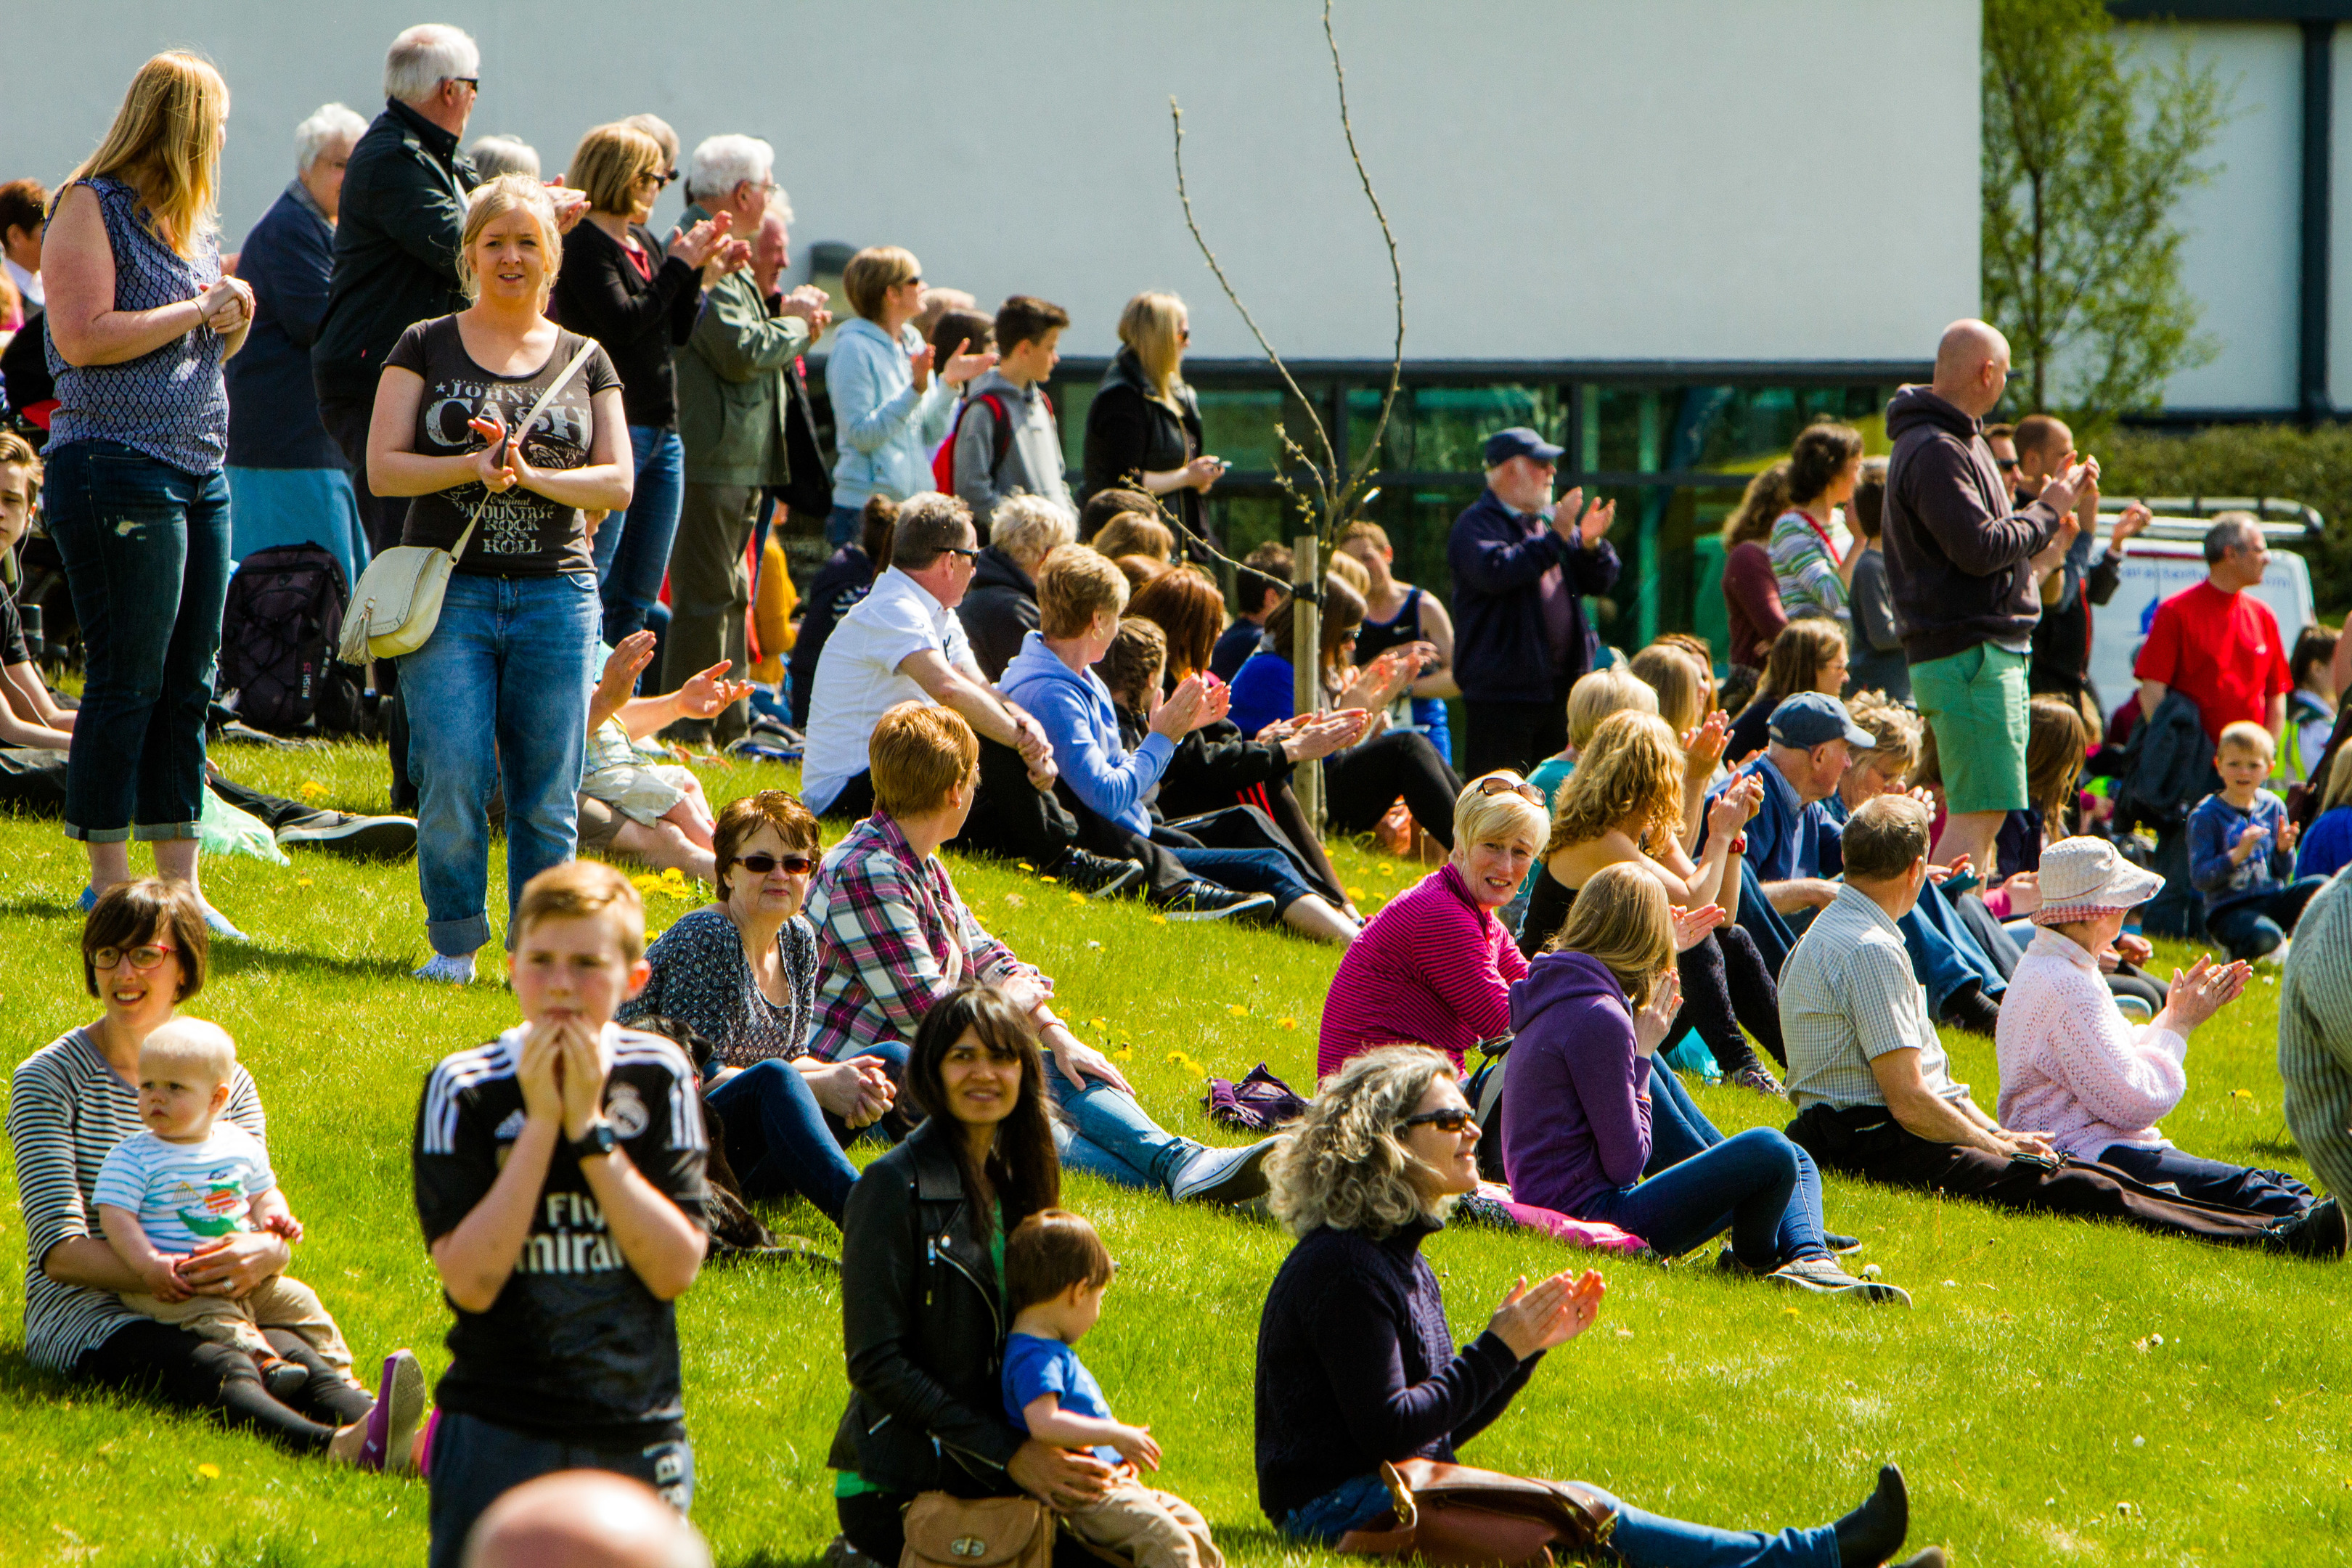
<point x="943" y="460"/>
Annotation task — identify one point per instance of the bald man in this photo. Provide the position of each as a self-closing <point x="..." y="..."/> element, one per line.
<point x="583" y="1519"/>
<point x="1959" y="560"/>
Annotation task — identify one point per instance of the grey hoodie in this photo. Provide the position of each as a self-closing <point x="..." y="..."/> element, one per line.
<point x="1032" y="459"/>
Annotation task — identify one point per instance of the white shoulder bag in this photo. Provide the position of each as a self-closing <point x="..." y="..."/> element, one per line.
<point x="398" y="600"/>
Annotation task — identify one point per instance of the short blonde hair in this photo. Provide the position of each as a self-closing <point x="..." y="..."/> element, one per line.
<point x="190" y="1043"/>
<point x="584" y="889"/>
<point x="1133" y="533"/>
<point x="1601" y="693"/>
<point x="873" y="272"/>
<point x="1621" y="918"/>
<point x="1344" y="1165"/>
<point x="1076" y="584"/>
<point x="919" y="752"/>
<point x="1153" y="324"/>
<point x="1503" y="815"/>
<point x="1350" y="571"/>
<point x="2246" y="735"/>
<point x="493" y="200"/>
<point x="165" y="144"/>
<point x="1028" y="526"/>
<point x="608" y="164"/>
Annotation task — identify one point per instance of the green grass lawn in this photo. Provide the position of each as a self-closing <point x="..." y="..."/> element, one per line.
<point x="2017" y="1396"/>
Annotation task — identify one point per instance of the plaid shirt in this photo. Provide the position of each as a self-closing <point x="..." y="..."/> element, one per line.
<point x="892" y="938"/>
<point x="1848" y="996"/>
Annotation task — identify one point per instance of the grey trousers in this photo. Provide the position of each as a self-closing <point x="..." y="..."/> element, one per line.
<point x="711" y="591"/>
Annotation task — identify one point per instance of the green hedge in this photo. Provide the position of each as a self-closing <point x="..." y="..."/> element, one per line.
<point x="2314" y="467"/>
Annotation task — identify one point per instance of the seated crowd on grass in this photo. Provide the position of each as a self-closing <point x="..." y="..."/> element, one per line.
<point x="1634" y="883"/>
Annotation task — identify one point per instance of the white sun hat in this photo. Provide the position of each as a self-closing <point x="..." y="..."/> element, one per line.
<point x="2082" y="877"/>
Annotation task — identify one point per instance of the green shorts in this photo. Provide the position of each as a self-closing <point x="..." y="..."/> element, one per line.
<point x="1977" y="703"/>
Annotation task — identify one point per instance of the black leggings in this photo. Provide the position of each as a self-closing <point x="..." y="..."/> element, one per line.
<point x="201" y="1375"/>
<point x="1360" y="784"/>
<point x="1725" y="984"/>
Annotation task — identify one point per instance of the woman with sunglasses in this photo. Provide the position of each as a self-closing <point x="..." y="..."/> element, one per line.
<point x="69" y="1103"/>
<point x="1435" y="966"/>
<point x="1356" y="1367"/>
<point x="623" y="288"/>
<point x="743" y="972"/>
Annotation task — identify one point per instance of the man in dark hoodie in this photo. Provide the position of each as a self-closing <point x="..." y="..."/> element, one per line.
<point x="1960" y="562"/>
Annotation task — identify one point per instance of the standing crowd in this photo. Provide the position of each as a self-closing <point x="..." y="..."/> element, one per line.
<point x="420" y="366"/>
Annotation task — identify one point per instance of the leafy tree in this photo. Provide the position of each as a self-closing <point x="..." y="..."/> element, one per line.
<point x="2086" y="157"/>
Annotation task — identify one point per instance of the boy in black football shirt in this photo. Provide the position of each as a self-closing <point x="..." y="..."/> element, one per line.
<point x="559" y="1175"/>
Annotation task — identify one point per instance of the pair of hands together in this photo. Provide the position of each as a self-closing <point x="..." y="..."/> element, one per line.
<point x="1199" y="698"/>
<point x="562" y="1075"/>
<point x="2249" y="839"/>
<point x="1306" y="736"/>
<point x="227" y="309"/>
<point x="1580" y="524"/>
<point x="215" y="1269"/>
<point x="1656" y="1018"/>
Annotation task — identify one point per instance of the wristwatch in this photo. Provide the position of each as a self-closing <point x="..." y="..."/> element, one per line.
<point x="598" y="1140"/>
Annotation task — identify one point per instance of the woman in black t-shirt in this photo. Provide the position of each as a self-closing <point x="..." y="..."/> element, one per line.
<point x="498" y="694"/>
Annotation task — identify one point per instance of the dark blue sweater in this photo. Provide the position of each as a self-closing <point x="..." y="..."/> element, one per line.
<point x="1498" y="559"/>
<point x="273" y="407"/>
<point x="1356" y="1364"/>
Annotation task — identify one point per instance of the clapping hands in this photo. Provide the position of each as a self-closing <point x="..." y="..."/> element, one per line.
<point x="705" y="695"/>
<point x="2203" y="990"/>
<point x="1534" y="1318"/>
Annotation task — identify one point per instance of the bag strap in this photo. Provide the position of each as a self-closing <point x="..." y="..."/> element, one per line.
<point x="522" y="430"/>
<point x="1003" y="434"/>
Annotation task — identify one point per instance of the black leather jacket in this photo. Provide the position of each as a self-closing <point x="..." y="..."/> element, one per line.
<point x="923" y="1325"/>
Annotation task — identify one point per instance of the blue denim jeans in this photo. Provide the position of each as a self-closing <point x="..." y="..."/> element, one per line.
<point x="1757" y="1183"/>
<point x="843" y="525"/>
<point x="632" y="548"/>
<point x="2271" y="1193"/>
<point x="1247" y="872"/>
<point x="1644" y="1539"/>
<point x="145" y="547"/>
<point x="782" y="1143"/>
<point x="1102" y="1131"/>
<point x="498" y="694"/>
<point x="2247" y="929"/>
<point x="1945" y="954"/>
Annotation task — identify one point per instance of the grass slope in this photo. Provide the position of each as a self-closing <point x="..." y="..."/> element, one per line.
<point x="2016" y="1396"/>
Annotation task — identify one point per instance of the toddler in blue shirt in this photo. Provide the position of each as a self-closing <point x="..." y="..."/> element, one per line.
<point x="2240" y="851"/>
<point x="1055" y="1272"/>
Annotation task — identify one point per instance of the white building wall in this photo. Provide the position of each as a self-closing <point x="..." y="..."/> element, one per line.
<point x="1567" y="178"/>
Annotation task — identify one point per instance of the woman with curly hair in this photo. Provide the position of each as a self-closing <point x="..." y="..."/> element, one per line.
<point x="1356" y="1368"/>
<point x="1624" y="806"/>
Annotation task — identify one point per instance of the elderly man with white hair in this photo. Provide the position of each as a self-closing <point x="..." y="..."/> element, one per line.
<point x="288" y="481"/>
<point x="731" y="408"/>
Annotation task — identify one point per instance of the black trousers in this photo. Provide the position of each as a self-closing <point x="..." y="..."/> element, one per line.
<point x="1010" y="817"/>
<point x="1725" y="984"/>
<point x="1514" y="735"/>
<point x="201" y="1375"/>
<point x="1867" y="1142"/>
<point x="1359" y="783"/>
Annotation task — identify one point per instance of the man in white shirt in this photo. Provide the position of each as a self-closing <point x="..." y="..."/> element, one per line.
<point x="902" y="643"/>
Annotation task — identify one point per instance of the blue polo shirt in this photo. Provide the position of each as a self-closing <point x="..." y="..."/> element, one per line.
<point x="1787" y="838"/>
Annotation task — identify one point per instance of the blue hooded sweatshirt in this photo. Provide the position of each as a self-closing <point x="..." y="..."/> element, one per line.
<point x="1075" y="709"/>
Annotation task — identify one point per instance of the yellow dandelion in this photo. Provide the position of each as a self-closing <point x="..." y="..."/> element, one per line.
<point x="1049" y="879"/>
<point x="1355" y="892"/>
<point x="1124" y="1053"/>
<point x="1237" y="1010"/>
<point x="1024" y="866"/>
<point x="1159" y="920"/>
<point x="1074" y="898"/>
<point x="209" y="1472"/>
<point x="1286" y="1023"/>
<point x="301" y="881"/>
<point x="312" y="790"/>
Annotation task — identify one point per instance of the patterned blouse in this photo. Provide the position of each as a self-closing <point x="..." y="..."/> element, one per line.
<point x="701" y="978"/>
<point x="170" y="402"/>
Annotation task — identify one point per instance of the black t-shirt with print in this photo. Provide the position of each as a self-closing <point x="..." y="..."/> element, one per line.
<point x="574" y="1346"/>
<point x="521" y="532"/>
<point x="14" y="648"/>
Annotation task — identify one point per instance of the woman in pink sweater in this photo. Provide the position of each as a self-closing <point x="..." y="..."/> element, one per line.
<point x="1436" y="967"/>
<point x="2072" y="1068"/>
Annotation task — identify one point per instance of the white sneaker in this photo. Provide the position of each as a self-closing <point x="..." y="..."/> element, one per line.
<point x="1224" y="1175"/>
<point x="447" y="970"/>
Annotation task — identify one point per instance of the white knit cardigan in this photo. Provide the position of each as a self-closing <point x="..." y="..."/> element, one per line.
<point x="2071" y="1066"/>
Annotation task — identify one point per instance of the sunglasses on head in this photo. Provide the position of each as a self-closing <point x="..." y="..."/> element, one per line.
<point x="761" y="865"/>
<point x="1453" y="1119"/>
<point x="1494" y="785"/>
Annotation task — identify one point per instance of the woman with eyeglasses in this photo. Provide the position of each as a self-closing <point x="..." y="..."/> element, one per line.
<point x="1357" y="1369"/>
<point x="743" y="972"/>
<point x="621" y="286"/>
<point x="143" y="951"/>
<point x="1435" y="966"/>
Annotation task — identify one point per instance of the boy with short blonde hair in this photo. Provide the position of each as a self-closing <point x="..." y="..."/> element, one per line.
<point x="2241" y="852"/>
<point x="560" y="1179"/>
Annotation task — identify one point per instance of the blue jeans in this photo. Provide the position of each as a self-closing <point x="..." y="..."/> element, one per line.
<point x="632" y="548"/>
<point x="2271" y="1193"/>
<point x="498" y="694"/>
<point x="1644" y="1539"/>
<point x="1102" y="1131"/>
<point x="1246" y="871"/>
<point x="145" y="547"/>
<point x="2247" y="929"/>
<point x="843" y="525"/>
<point x="782" y="1143"/>
<point x="1757" y="1183"/>
<point x="1945" y="954"/>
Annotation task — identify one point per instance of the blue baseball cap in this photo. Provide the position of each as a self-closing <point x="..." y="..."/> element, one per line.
<point x="1812" y="719"/>
<point x="1518" y="441"/>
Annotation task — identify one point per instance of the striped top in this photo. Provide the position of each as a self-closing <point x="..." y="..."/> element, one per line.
<point x="66" y="1110"/>
<point x="1847" y="997"/>
<point x="170" y="402"/>
<point x="1434" y="967"/>
<point x="1803" y="568"/>
<point x="2314" y="1052"/>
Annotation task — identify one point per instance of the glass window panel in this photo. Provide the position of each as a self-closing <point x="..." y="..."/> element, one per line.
<point x="1450" y="424"/>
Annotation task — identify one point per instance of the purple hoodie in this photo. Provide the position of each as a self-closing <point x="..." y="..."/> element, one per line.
<point x="1576" y="1106"/>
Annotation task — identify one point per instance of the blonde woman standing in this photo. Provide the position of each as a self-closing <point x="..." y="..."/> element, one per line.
<point x="140" y="320"/>
<point x="500" y="692"/>
<point x="1143" y="427"/>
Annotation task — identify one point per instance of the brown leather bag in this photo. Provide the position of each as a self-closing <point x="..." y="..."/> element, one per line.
<point x="1457" y="1517"/>
<point x="945" y="1531"/>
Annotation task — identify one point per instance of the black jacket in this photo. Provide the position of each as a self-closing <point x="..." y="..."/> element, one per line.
<point x="1130" y="434"/>
<point x="845" y="578"/>
<point x="809" y="492"/>
<point x="397" y="229"/>
<point x="601" y="294"/>
<point x="923" y="1325"/>
<point x="1498" y="559"/>
<point x="999" y="610"/>
<point x="273" y="408"/>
